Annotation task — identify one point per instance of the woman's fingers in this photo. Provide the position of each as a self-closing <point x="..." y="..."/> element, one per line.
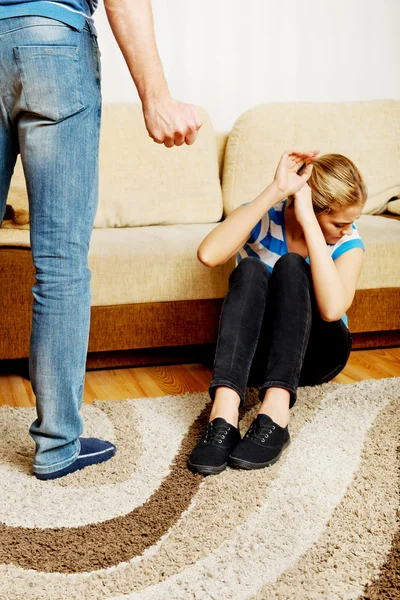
<point x="305" y="176"/>
<point x="295" y="158"/>
<point x="298" y="152"/>
<point x="298" y="158"/>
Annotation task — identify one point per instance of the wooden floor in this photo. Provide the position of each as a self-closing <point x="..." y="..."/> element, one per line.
<point x="140" y="382"/>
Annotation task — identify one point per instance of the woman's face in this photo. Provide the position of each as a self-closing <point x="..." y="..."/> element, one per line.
<point x="335" y="225"/>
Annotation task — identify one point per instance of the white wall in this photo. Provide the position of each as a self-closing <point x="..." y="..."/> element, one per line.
<point x="228" y="55"/>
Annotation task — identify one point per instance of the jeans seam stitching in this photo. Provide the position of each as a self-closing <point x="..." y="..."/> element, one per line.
<point x="304" y="345"/>
<point x="27" y="26"/>
<point x="69" y="461"/>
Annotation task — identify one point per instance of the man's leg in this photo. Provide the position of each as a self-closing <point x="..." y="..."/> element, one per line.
<point x="8" y="153"/>
<point x="58" y="115"/>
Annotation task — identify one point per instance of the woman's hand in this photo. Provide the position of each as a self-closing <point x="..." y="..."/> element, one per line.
<point x="286" y="179"/>
<point x="303" y="206"/>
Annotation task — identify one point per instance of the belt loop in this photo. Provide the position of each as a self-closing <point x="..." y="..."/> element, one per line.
<point x="91" y="27"/>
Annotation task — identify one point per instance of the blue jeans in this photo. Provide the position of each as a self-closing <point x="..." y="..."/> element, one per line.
<point x="50" y="111"/>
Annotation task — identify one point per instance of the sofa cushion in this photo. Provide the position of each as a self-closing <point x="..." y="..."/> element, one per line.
<point x="159" y="263"/>
<point x="146" y="264"/>
<point x="382" y="258"/>
<point x="144" y="183"/>
<point x="367" y="132"/>
<point x="394" y="207"/>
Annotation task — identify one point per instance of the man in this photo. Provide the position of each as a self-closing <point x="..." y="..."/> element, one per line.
<point x="50" y="111"/>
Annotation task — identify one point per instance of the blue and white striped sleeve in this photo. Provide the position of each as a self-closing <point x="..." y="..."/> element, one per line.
<point x="348" y="242"/>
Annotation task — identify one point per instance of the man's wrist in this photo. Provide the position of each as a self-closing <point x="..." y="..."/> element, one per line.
<point x="151" y="97"/>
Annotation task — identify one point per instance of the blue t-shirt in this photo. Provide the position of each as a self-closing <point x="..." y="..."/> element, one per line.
<point x="267" y="240"/>
<point x="71" y="12"/>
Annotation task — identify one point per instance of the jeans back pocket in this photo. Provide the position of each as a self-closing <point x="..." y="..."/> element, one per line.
<point x="51" y="80"/>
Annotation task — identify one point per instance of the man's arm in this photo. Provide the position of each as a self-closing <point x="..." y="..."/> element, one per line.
<point x="168" y="121"/>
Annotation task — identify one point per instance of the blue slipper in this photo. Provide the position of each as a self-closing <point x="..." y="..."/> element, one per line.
<point x="93" y="451"/>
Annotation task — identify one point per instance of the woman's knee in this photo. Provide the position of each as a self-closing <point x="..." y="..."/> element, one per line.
<point x="291" y="263"/>
<point x="250" y="269"/>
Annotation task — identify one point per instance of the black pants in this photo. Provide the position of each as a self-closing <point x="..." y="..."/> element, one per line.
<point x="271" y="333"/>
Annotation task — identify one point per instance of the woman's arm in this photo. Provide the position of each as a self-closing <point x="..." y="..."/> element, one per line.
<point x="227" y="238"/>
<point x="334" y="281"/>
<point x="168" y="121"/>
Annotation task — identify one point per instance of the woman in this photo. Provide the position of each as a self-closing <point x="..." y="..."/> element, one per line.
<point x="283" y="321"/>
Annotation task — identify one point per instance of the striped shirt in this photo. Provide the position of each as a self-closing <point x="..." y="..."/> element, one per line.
<point x="267" y="240"/>
<point x="71" y="12"/>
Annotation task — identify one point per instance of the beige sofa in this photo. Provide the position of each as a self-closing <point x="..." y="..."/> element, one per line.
<point x="156" y="205"/>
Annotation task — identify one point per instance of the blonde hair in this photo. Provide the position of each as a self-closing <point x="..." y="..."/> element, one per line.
<point x="335" y="183"/>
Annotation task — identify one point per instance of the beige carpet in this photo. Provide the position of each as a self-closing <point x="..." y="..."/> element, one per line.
<point x="319" y="524"/>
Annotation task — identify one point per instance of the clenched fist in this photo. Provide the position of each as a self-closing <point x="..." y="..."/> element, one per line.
<point x="171" y="123"/>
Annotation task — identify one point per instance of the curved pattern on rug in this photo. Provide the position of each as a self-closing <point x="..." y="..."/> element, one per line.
<point x="328" y="506"/>
<point x="148" y="421"/>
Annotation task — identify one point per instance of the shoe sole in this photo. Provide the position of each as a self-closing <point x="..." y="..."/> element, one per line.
<point x="239" y="463"/>
<point x="58" y="474"/>
<point x="207" y="469"/>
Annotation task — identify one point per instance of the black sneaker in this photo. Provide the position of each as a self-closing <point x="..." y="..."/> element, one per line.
<point x="262" y="445"/>
<point x="210" y="456"/>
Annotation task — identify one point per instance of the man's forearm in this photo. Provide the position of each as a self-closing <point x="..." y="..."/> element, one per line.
<point x="132" y="24"/>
